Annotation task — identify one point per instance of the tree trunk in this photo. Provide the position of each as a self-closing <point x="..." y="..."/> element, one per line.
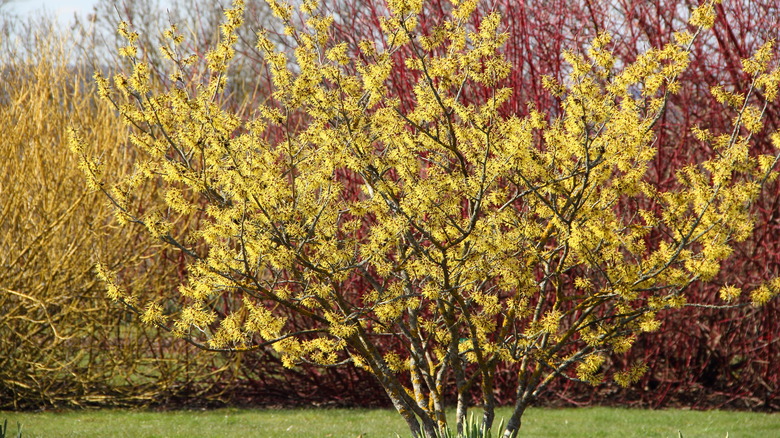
<point x="460" y="411"/>
<point x="489" y="400"/>
<point x="513" y="425"/>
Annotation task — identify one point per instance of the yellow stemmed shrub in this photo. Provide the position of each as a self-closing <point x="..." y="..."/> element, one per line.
<point x="63" y="343"/>
<point x="474" y="239"/>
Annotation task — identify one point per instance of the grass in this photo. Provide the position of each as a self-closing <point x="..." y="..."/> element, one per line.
<point x="305" y="423"/>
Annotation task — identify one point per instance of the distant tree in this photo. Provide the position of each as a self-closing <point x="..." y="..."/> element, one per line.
<point x="472" y="237"/>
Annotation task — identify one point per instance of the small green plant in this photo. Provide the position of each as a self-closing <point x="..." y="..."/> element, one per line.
<point x="680" y="435"/>
<point x="471" y="429"/>
<point x="4" y="430"/>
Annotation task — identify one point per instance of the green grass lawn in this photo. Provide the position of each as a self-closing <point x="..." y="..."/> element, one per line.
<point x="350" y="423"/>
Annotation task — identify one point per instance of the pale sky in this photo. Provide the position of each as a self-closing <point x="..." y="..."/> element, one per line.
<point x="62" y="8"/>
